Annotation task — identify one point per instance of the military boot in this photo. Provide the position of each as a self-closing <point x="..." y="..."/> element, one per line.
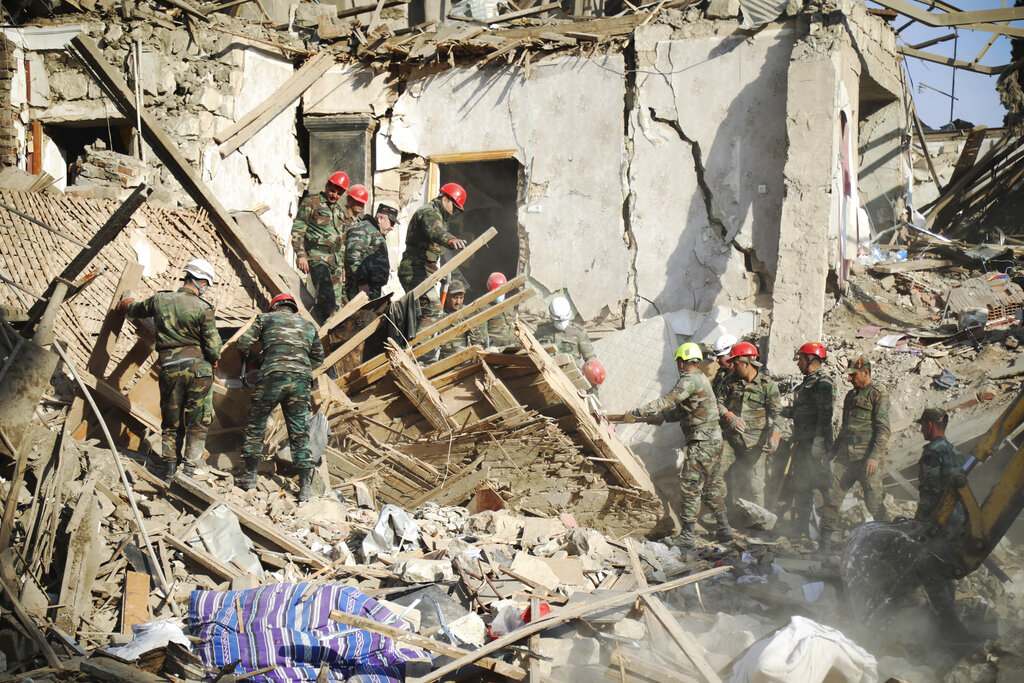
<point x="827" y="543"/>
<point x="305" y="484"/>
<point x="724" y="534"/>
<point x="193" y="455"/>
<point x="165" y="469"/>
<point x="686" y="539"/>
<point x="247" y="480"/>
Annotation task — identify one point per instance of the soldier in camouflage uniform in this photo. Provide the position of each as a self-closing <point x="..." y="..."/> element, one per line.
<point x="456" y="298"/>
<point x="749" y="409"/>
<point x="318" y="239"/>
<point x="940" y="460"/>
<point x="857" y="457"/>
<point x="291" y="351"/>
<point x="692" y="403"/>
<point x="367" y="268"/>
<point x="811" y="412"/>
<point x="188" y="348"/>
<point x="425" y="241"/>
<point x="497" y="332"/>
<point x="565" y="335"/>
<point x="722" y="346"/>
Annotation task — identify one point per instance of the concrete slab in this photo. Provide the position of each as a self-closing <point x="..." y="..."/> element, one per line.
<point x="349" y="90"/>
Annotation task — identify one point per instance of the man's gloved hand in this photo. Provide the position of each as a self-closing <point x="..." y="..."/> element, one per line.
<point x="630" y="417"/>
<point x="215" y="366"/>
<point x="122" y="305"/>
<point x="734" y="422"/>
<point x="818" y="448"/>
<point x="456" y="243"/>
<point x="772" y="444"/>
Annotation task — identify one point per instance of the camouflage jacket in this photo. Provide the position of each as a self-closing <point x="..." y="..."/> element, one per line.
<point x="471" y="337"/>
<point x="498" y="331"/>
<point x="865" y="429"/>
<point x="573" y="340"/>
<point x="757" y="402"/>
<point x="185" y="327"/>
<point x="428" y="235"/>
<point x="720" y="383"/>
<point x="939" y="461"/>
<point x="318" y="231"/>
<point x="290" y="343"/>
<point x="692" y="402"/>
<point x="366" y="257"/>
<point x="812" y="408"/>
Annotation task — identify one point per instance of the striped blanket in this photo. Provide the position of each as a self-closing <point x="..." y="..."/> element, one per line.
<point x="273" y="625"/>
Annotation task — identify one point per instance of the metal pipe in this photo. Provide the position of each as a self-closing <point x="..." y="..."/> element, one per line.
<point x="44" y="226"/>
<point x="44" y="330"/>
<point x="130" y="493"/>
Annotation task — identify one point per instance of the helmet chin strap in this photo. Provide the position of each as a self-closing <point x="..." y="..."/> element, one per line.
<point x="561" y="324"/>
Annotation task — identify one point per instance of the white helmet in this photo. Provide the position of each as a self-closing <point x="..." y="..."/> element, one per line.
<point x="561" y="312"/>
<point x="200" y="269"/>
<point x="723" y="344"/>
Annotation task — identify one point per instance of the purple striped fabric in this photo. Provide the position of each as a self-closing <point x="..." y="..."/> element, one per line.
<point x="296" y="635"/>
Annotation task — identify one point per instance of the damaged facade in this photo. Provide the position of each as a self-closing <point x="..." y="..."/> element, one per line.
<point x="692" y="166"/>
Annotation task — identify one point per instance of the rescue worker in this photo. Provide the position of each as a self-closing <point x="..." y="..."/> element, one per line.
<point x="749" y="408"/>
<point x="857" y="454"/>
<point x="453" y="302"/>
<point x="565" y="335"/>
<point x="721" y="348"/>
<point x="692" y="402"/>
<point x="940" y="460"/>
<point x="425" y="241"/>
<point x="367" y="267"/>
<point x="356" y="200"/>
<point x="291" y="351"/>
<point x="318" y="239"/>
<point x="813" y="404"/>
<point x="188" y="348"/>
<point x="497" y="331"/>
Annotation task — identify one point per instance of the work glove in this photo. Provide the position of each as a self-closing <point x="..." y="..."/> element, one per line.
<point x="772" y="444"/>
<point x="122" y="305"/>
<point x="630" y="417"/>
<point x="456" y="243"/>
<point x="818" y="448"/>
<point x="734" y="422"/>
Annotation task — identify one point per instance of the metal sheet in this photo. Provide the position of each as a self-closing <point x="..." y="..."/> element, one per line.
<point x="760" y="12"/>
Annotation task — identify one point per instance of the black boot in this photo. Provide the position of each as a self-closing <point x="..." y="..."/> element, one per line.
<point x="247" y="480"/>
<point x="166" y="469"/>
<point x="305" y="484"/>
<point x="686" y="539"/>
<point x="724" y="534"/>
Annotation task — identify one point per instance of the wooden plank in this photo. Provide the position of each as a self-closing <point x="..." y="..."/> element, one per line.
<point x="217" y="568"/>
<point x="106" y="340"/>
<point x="343" y="314"/>
<point x="104" y="236"/>
<point x="244" y="129"/>
<point x="969" y="153"/>
<point x="363" y="9"/>
<point x="496" y="665"/>
<point x="167" y="151"/>
<point x="502" y="18"/>
<point x="955" y="63"/>
<point x="560" y="617"/>
<point x="622" y="462"/>
<point x="135" y="604"/>
<point x="17" y="479"/>
<point x="648" y="669"/>
<point x="535" y="676"/>
<point x="458" y="487"/>
<point x="919" y="130"/>
<point x="688" y="643"/>
<point x="107" y="669"/>
<point x="30" y="626"/>
<point x="912" y="265"/>
<point x="119" y="400"/>
<point x="976" y="20"/>
<point x="412" y="382"/>
<point x="471" y="322"/>
<point x="497" y="394"/>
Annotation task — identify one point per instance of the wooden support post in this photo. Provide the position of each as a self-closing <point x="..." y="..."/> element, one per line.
<point x="113" y="322"/>
<point x="686" y="642"/>
<point x="135" y="605"/>
<point x="411" y="382"/>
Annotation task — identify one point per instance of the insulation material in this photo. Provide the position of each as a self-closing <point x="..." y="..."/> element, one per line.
<point x="806" y="651"/>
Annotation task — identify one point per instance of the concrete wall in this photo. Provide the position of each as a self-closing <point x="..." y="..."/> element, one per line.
<point x="705" y="175"/>
<point x="881" y="168"/>
<point x="565" y="125"/>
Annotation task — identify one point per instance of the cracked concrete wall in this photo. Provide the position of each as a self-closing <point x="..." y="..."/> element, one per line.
<point x="566" y="124"/>
<point x="880" y="174"/>
<point x="705" y="170"/>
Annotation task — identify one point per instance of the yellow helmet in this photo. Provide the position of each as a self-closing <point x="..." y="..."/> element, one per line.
<point x="689" y="351"/>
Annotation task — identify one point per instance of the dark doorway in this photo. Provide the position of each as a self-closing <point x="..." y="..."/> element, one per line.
<point x="492" y="188"/>
<point x="72" y="139"/>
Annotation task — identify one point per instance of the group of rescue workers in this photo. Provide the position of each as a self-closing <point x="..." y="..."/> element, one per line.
<point x="729" y="422"/>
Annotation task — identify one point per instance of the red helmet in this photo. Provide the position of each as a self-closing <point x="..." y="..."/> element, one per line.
<point x="340" y="179"/>
<point x="495" y="280"/>
<point x="740" y="349"/>
<point x="456" y="193"/>
<point x="283" y="298"/>
<point x="360" y="194"/>
<point x="813" y="349"/>
<point x="594" y="371"/>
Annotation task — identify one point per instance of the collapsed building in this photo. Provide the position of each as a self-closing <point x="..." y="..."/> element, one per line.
<point x="677" y="170"/>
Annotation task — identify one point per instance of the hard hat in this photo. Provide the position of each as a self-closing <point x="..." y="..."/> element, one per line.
<point x="689" y="351"/>
<point x="360" y="194"/>
<point x="495" y="280"/>
<point x="813" y="349"/>
<point x="456" y="193"/>
<point x="594" y="371"/>
<point x="741" y="349"/>
<point x="283" y="298"/>
<point x="200" y="269"/>
<point x="340" y="179"/>
<point x="723" y="344"/>
<point x="560" y="308"/>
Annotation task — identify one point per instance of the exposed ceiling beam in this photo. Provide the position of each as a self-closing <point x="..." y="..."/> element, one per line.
<point x="976" y="20"/>
<point x="949" y="61"/>
<point x="933" y="41"/>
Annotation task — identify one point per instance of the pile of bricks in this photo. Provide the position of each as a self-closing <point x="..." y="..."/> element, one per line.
<point x="103" y="174"/>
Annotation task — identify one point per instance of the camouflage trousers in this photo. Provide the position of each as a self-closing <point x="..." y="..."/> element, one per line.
<point x="744" y="473"/>
<point x="292" y="391"/>
<point x="701" y="479"/>
<point x="329" y="283"/>
<point x="845" y="474"/>
<point x="412" y="271"/>
<point x="186" y="408"/>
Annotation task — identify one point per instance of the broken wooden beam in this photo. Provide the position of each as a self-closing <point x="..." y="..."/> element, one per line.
<point x="413" y="383"/>
<point x="113" y="321"/>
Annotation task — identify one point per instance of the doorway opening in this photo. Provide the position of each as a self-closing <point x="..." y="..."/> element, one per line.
<point x="492" y="181"/>
<point x="72" y="139"/>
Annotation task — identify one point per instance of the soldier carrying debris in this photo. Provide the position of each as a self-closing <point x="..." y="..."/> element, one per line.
<point x="367" y="267"/>
<point x="188" y="348"/>
<point x="318" y="239"/>
<point x="291" y="351"/>
<point x="863" y="438"/>
<point x="692" y="402"/>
